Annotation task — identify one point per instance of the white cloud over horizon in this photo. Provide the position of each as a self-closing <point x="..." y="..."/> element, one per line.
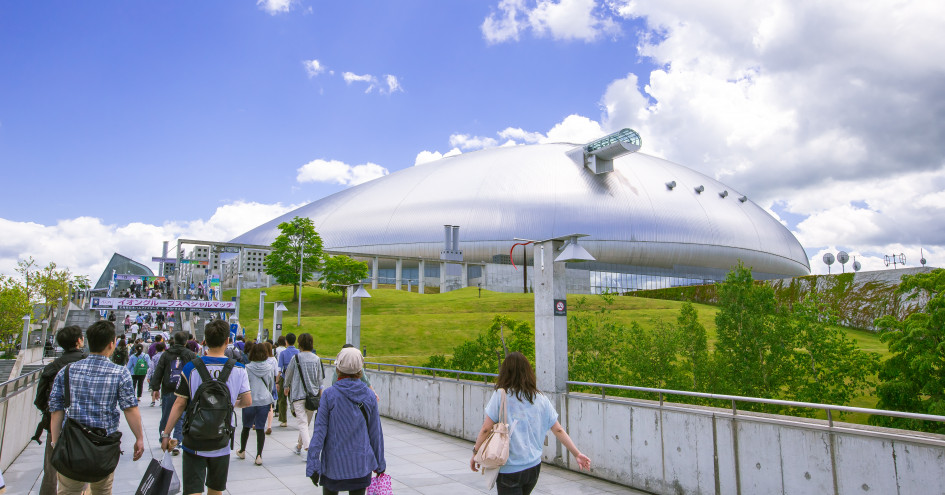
<point x="85" y="244"/>
<point x="338" y="172"/>
<point x="313" y="67"/>
<point x="391" y="82"/>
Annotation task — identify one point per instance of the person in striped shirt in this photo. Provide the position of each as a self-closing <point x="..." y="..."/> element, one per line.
<point x="348" y="441"/>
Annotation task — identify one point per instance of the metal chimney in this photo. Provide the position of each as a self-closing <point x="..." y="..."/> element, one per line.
<point x="447" y="236"/>
<point x="456" y="238"/>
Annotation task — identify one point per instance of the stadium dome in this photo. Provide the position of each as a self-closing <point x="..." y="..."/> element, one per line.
<point x="647" y="216"/>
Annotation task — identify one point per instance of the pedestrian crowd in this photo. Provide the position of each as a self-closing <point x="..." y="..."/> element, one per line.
<point x="101" y="376"/>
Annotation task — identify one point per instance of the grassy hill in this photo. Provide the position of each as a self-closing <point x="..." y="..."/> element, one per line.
<point x="406" y="327"/>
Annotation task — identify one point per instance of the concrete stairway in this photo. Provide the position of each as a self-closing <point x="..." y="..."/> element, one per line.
<point x="6" y="366"/>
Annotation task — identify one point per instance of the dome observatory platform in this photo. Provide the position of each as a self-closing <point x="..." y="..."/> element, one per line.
<point x="649" y="222"/>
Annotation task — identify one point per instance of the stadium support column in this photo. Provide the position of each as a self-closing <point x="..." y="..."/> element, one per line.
<point x="399" y="275"/>
<point x="421" y="275"/>
<point x="465" y="276"/>
<point x="374" y="273"/>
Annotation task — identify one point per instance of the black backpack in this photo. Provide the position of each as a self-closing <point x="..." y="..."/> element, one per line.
<point x="209" y="421"/>
<point x="172" y="374"/>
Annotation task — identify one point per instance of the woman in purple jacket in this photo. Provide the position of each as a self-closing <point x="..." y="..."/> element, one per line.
<point x="347" y="441"/>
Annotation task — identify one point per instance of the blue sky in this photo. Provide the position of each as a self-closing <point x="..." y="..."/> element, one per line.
<point x="126" y="123"/>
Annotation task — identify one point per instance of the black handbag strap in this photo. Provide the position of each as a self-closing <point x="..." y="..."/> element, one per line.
<point x="301" y="375"/>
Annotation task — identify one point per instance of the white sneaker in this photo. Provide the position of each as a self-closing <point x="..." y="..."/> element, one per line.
<point x="298" y="450"/>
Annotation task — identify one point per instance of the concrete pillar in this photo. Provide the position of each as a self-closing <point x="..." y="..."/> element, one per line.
<point x="551" y="331"/>
<point x="276" y="326"/>
<point x="25" y="339"/>
<point x="442" y="278"/>
<point x="398" y="275"/>
<point x="374" y="273"/>
<point x="420" y="279"/>
<point x="465" y="275"/>
<point x="353" y="317"/>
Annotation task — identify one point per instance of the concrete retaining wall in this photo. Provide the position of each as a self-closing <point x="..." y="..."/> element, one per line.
<point x="18" y="420"/>
<point x="693" y="450"/>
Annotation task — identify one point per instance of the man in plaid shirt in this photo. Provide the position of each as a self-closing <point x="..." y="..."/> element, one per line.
<point x="98" y="388"/>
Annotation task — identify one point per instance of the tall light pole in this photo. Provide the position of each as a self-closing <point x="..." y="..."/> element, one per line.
<point x="262" y="311"/>
<point x="298" y="318"/>
<point x="355" y="293"/>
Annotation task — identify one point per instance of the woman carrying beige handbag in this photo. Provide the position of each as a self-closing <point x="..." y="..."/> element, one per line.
<point x="517" y="398"/>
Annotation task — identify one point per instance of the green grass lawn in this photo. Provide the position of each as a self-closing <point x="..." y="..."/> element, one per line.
<point x="407" y="328"/>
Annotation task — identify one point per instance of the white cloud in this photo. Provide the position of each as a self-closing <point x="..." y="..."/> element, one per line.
<point x="85" y="244"/>
<point x="351" y="77"/>
<point x="506" y="25"/>
<point x="517" y="134"/>
<point x="313" y="67"/>
<point x="393" y="85"/>
<point x="567" y="20"/>
<point x="274" y="7"/>
<point x="425" y="157"/>
<point x="339" y="172"/>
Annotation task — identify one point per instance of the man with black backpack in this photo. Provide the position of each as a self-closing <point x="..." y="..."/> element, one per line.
<point x="69" y="338"/>
<point x="166" y="377"/>
<point x="210" y="387"/>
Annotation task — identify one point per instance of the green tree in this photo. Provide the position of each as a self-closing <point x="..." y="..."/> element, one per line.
<point x="297" y="239"/>
<point x="595" y="344"/>
<point x="830" y="369"/>
<point x="913" y="378"/>
<point x="14" y="305"/>
<point x="651" y="356"/>
<point x="694" y="349"/>
<point x="752" y="350"/>
<point x="489" y="348"/>
<point x="338" y="271"/>
<point x="50" y="284"/>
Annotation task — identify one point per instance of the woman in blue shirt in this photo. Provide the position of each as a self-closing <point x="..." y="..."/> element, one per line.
<point x="532" y="415"/>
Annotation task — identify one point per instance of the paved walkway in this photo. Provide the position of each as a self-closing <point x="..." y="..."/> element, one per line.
<point x="419" y="461"/>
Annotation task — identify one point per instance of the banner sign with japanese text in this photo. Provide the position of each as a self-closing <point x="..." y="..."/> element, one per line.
<point x="101" y="303"/>
<point x="138" y="277"/>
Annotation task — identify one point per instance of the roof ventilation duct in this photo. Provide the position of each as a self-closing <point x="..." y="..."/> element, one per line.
<point x="670" y="185"/>
<point x="723" y="194"/>
<point x="700" y="189"/>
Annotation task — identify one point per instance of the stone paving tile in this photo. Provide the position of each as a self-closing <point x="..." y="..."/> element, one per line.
<point x="419" y="461"/>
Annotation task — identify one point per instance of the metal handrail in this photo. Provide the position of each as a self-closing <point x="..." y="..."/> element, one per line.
<point x="331" y="361"/>
<point x="14" y="385"/>
<point x="662" y="391"/>
<point x="778" y="402"/>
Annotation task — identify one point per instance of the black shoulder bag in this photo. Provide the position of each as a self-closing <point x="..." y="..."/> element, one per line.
<point x="84" y="453"/>
<point x="311" y="400"/>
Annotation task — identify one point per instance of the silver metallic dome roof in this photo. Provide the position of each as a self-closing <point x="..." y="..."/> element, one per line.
<point x="538" y="192"/>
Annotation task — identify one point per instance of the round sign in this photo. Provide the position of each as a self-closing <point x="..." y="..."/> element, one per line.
<point x="559" y="306"/>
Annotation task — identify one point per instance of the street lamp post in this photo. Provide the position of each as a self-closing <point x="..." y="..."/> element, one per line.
<point x="355" y="292"/>
<point x="298" y="318"/>
<point x="24" y="341"/>
<point x="262" y="311"/>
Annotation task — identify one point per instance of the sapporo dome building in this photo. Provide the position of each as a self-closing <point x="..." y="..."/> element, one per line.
<point x="649" y="222"/>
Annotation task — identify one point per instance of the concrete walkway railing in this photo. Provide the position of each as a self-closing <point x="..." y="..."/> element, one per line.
<point x="676" y="448"/>
<point x="18" y="416"/>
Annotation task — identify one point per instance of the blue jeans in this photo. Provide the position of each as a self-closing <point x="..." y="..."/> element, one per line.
<point x="167" y="402"/>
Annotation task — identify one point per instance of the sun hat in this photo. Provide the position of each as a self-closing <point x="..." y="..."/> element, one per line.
<point x="349" y="361"/>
